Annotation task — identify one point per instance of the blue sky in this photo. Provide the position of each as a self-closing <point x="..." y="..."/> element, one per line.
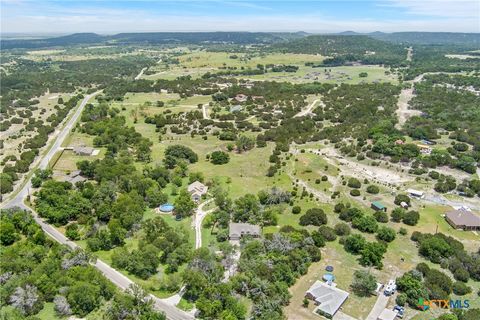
<point x="39" y="16"/>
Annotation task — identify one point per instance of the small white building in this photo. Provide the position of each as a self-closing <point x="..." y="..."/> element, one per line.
<point x="415" y="193"/>
<point x="197" y="190"/>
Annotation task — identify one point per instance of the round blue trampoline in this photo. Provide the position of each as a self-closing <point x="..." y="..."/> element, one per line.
<point x="328" y="277"/>
<point x="166" y="207"/>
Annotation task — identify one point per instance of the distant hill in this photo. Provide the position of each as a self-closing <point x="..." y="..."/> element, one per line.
<point x="470" y="39"/>
<point x="153" y="38"/>
<point x="342" y="42"/>
<point x="73" y="39"/>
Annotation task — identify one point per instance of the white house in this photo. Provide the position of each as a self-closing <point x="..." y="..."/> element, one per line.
<point x="328" y="298"/>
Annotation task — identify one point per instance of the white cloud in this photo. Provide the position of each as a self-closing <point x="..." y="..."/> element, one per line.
<point x="52" y="18"/>
<point x="439" y="8"/>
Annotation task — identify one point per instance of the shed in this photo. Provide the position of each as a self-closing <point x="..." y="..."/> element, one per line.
<point x="378" y="206"/>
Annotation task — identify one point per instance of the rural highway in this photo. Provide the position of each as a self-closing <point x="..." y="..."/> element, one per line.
<point x="113" y="275"/>
<point x="17" y="201"/>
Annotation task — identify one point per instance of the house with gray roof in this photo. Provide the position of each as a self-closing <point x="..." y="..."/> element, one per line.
<point x="83" y="151"/>
<point x="197" y="190"/>
<point x="328" y="298"/>
<point x="463" y="219"/>
<point x="239" y="230"/>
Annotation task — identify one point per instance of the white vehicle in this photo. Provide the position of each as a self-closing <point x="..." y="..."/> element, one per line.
<point x="390" y="288"/>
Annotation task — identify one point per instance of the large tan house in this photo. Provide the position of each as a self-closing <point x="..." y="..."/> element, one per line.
<point x="463" y="219"/>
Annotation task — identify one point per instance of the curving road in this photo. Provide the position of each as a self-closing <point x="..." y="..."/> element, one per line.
<point x="113" y="275"/>
<point x="17" y="200"/>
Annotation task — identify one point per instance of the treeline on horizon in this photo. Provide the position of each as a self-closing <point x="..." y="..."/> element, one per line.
<point x="154" y="38"/>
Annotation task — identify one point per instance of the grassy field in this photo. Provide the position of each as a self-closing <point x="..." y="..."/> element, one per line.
<point x="343" y="74"/>
<point x="202" y="59"/>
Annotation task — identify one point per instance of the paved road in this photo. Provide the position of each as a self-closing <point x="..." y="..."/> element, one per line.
<point x="17" y="201"/>
<point x="113" y="275"/>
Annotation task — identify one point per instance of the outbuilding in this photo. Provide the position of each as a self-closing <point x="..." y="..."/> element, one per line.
<point x="463" y="219"/>
<point x="378" y="206"/>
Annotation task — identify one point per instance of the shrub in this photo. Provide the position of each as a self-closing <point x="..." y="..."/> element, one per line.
<point x="318" y="239"/>
<point x="365" y="224"/>
<point x="327" y="233"/>
<point x="401" y="198"/>
<point x="355" y="192"/>
<point x="354" y="183"/>
<point x="397" y="214"/>
<point x="314" y="216"/>
<point x="296" y="210"/>
<point x="219" y="157"/>
<point x="461" y="274"/>
<point x="342" y="229"/>
<point x="461" y="289"/>
<point x="401" y="299"/>
<point x="403" y="231"/>
<point x="373" y="189"/>
<point x="72" y="231"/>
<point x="386" y="234"/>
<point x="355" y="243"/>
<point x="381" y="216"/>
<point x="411" y="218"/>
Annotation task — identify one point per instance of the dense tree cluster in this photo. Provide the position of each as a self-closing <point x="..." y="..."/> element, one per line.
<point x="449" y="253"/>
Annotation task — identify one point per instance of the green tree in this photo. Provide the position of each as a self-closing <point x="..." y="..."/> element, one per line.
<point x="364" y="283"/>
<point x="313" y="216"/>
<point x="184" y="204"/>
<point x="411" y="218"/>
<point x="219" y="157"/>
<point x="83" y="298"/>
<point x="244" y="143"/>
<point x="386" y="234"/>
<point x="397" y="214"/>
<point x="8" y="233"/>
<point x="355" y="243"/>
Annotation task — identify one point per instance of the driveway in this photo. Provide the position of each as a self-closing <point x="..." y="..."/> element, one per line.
<point x="380" y="304"/>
